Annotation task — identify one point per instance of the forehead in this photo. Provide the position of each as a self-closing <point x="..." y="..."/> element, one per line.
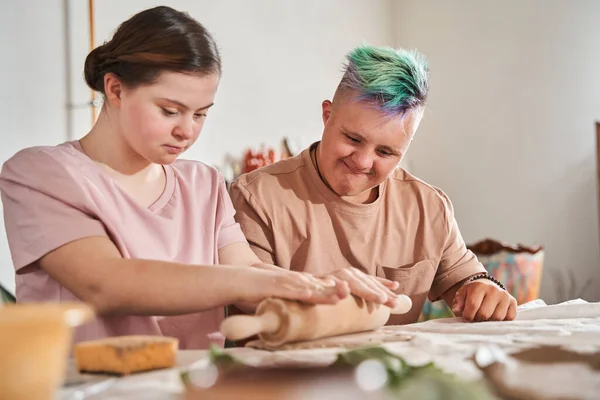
<point x="195" y="90"/>
<point x="371" y="123"/>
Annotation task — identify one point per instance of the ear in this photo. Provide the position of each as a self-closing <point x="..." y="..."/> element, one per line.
<point x="113" y="89"/>
<point x="326" y="111"/>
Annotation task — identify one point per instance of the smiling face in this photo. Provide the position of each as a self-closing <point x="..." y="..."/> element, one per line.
<point x="160" y="121"/>
<point x="361" y="146"/>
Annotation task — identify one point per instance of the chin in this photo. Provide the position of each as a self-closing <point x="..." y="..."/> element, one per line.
<point x="345" y="190"/>
<point x="350" y="187"/>
<point x="164" y="159"/>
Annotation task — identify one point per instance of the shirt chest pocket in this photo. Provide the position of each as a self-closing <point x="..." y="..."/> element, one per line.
<point x="413" y="278"/>
<point x="415" y="281"/>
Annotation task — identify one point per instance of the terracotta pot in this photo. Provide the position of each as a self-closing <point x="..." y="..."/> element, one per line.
<point x="35" y="339"/>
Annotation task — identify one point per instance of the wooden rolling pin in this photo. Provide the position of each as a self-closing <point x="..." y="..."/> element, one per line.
<point x="278" y="322"/>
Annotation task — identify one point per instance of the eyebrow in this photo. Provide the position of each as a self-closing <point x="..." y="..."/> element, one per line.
<point x="361" y="137"/>
<point x="180" y="104"/>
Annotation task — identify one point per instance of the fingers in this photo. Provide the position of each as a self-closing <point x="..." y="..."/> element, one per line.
<point x="339" y="284"/>
<point x="501" y="310"/>
<point x="392" y="285"/>
<point x="322" y="296"/>
<point x="497" y="306"/>
<point x="459" y="302"/>
<point x="365" y="289"/>
<point x="313" y="280"/>
<point x="314" y="283"/>
<point x="389" y="287"/>
<point x="307" y="292"/>
<point x="485" y="302"/>
<point x="488" y="307"/>
<point x="511" y="314"/>
<point x="343" y="289"/>
<point x="368" y="287"/>
<point x="473" y="301"/>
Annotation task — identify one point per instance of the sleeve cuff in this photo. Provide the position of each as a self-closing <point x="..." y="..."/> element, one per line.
<point x="230" y="234"/>
<point x="46" y="244"/>
<point x="448" y="280"/>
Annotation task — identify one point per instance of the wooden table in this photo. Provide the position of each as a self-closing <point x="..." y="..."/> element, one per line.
<point x="449" y="343"/>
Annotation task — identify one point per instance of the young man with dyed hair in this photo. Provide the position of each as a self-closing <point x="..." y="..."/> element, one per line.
<point x="344" y="205"/>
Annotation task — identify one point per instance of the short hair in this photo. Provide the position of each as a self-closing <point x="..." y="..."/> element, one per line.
<point x="149" y="43"/>
<point x="393" y="80"/>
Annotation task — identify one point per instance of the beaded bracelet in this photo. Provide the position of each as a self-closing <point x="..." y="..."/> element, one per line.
<point x="485" y="276"/>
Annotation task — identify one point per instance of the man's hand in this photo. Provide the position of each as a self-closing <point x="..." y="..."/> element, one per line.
<point x="370" y="288"/>
<point x="483" y="300"/>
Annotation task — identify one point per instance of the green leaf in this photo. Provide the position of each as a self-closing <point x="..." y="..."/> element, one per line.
<point x="221" y="359"/>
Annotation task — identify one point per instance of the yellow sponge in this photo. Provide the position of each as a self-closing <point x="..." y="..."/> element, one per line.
<point x="123" y="355"/>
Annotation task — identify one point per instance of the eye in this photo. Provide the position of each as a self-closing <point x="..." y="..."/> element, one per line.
<point x="168" y="113"/>
<point x="199" y="115"/>
<point x="352" y="139"/>
<point x="385" y="153"/>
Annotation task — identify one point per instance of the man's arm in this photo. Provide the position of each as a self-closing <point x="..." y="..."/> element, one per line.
<point x="253" y="223"/>
<point x="457" y="263"/>
<point x="479" y="300"/>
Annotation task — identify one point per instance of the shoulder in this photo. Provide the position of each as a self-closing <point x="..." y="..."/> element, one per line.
<point x="404" y="183"/>
<point x="40" y="162"/>
<point x="36" y="155"/>
<point x="49" y="173"/>
<point x="192" y="171"/>
<point x="270" y="178"/>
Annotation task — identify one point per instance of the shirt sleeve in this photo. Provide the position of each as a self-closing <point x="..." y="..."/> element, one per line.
<point x="229" y="230"/>
<point x="457" y="263"/>
<point x="253" y="223"/>
<point x="43" y="207"/>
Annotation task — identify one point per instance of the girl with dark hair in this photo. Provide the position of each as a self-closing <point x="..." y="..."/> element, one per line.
<point x="116" y="220"/>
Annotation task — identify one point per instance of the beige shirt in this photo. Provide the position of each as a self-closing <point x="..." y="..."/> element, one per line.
<point x="409" y="234"/>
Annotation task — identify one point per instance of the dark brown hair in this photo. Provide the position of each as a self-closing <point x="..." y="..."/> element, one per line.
<point x="151" y="42"/>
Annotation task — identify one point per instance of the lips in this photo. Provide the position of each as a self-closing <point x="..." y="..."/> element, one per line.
<point x="173" y="149"/>
<point x="353" y="171"/>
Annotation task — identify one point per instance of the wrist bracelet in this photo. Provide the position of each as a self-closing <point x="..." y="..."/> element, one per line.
<point x="484" y="275"/>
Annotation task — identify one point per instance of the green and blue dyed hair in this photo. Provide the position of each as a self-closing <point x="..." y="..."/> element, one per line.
<point x="394" y="81"/>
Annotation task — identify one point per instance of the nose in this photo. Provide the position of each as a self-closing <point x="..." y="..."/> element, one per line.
<point x="184" y="129"/>
<point x="361" y="162"/>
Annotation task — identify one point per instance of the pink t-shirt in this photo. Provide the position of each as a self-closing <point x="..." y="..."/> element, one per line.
<point x="55" y="195"/>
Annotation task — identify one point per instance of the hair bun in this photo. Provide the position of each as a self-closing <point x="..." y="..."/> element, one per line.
<point x="149" y="43"/>
<point x="92" y="70"/>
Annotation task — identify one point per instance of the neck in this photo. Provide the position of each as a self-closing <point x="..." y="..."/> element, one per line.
<point x="365" y="197"/>
<point x="106" y="146"/>
<point x="315" y="156"/>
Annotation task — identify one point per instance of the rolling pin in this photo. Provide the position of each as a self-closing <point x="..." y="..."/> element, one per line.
<point x="277" y="321"/>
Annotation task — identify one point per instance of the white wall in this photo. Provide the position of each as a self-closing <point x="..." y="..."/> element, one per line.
<point x="509" y="132"/>
<point x="281" y="58"/>
<point x="33" y="94"/>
